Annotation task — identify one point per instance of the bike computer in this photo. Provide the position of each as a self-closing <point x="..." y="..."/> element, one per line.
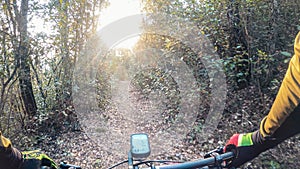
<point x="140" y="147"/>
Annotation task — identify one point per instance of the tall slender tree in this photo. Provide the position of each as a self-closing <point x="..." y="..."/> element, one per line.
<point x="23" y="56"/>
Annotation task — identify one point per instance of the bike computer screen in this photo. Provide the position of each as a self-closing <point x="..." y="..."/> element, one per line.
<point x="140" y="147"/>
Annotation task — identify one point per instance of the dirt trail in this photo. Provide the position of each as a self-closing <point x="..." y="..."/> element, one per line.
<point x="135" y="115"/>
<point x="106" y="135"/>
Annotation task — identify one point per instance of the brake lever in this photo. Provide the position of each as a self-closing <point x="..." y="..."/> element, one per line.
<point x="64" y="165"/>
<point x="213" y="153"/>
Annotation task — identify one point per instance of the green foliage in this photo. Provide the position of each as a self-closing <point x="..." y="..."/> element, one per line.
<point x="271" y="164"/>
<point x="274" y="165"/>
<point x="103" y="89"/>
<point x="51" y="54"/>
<point x="160" y="80"/>
<point x="238" y="30"/>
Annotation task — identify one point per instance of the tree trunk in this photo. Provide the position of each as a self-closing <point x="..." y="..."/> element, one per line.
<point x="64" y="90"/>
<point x="23" y="56"/>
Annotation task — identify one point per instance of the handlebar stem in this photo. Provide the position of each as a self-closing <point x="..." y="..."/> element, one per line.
<point x="130" y="160"/>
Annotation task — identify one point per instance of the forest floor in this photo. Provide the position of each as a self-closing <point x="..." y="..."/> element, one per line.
<point x="243" y="112"/>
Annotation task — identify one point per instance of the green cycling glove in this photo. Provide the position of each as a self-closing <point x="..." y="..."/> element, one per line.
<point x="35" y="159"/>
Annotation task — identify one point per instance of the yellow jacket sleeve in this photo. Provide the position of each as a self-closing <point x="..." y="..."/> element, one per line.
<point x="10" y="157"/>
<point x="4" y="142"/>
<point x="288" y="96"/>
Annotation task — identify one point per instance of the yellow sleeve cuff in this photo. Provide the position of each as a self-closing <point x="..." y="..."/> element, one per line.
<point x="4" y="142"/>
<point x="262" y="129"/>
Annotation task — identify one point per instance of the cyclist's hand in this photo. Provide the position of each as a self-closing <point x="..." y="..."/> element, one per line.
<point x="35" y="159"/>
<point x="245" y="148"/>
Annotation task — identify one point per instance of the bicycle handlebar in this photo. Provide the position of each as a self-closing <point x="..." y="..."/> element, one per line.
<point x="206" y="163"/>
<point x="214" y="161"/>
<point x="211" y="161"/>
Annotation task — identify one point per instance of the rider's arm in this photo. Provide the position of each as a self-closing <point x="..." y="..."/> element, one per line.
<point x="10" y="157"/>
<point x="281" y="122"/>
<point x="288" y="97"/>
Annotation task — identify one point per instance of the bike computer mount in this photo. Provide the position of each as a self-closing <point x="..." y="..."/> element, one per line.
<point x="139" y="145"/>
